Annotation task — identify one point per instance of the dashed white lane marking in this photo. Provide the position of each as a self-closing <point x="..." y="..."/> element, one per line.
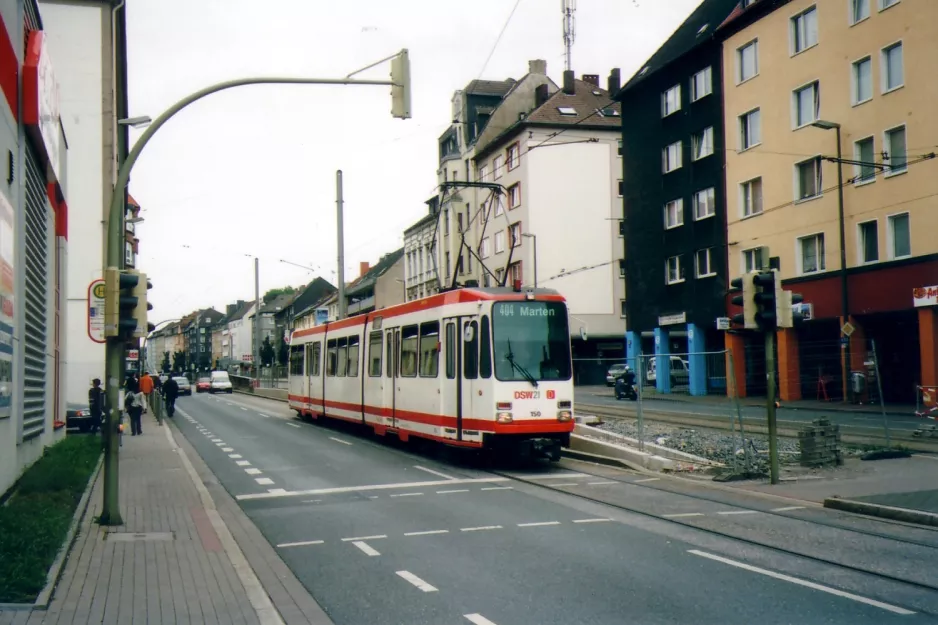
<point x="244" y="409"/>
<point x="478" y="619"/>
<point x="457" y="490"/>
<point x="234" y="456"/>
<point x="263" y="415"/>
<point x="737" y="512"/>
<point x="222" y="444"/>
<point x="373" y="487"/>
<point x="497" y="488"/>
<point x="539" y="524"/>
<point x="553" y="476"/>
<point x="253" y="471"/>
<point x="801" y="582"/>
<point x="227" y="449"/>
<point x="592" y="520"/>
<point x="682" y="515"/>
<point x="303" y="543"/>
<point x="416" y="581"/>
<point x="433" y="472"/>
<point x="567" y="484"/>
<point x="426" y="533"/>
<point x="339" y="440"/>
<point x="647" y="479"/>
<point x="480" y="528"/>
<point x="312" y="500"/>
<point x="354" y="538"/>
<point x="264" y="481"/>
<point x="274" y="490"/>
<point x="365" y="547"/>
<point x="293" y="424"/>
<point x="407" y="495"/>
<point x="788" y="508"/>
<point x="600" y="483"/>
<point x="243" y="463"/>
<point x="217" y="440"/>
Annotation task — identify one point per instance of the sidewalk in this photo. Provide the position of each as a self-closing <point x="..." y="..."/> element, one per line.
<point x="185" y="554"/>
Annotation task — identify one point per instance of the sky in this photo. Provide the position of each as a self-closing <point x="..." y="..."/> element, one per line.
<point x="250" y="172"/>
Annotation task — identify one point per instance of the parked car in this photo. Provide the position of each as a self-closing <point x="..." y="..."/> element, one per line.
<point x="680" y="371"/>
<point x="203" y="385"/>
<point x="78" y="416"/>
<point x="614" y="372"/>
<point x="220" y="383"/>
<point x="184" y="387"/>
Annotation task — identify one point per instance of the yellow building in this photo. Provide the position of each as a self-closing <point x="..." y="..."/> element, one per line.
<point x="798" y="76"/>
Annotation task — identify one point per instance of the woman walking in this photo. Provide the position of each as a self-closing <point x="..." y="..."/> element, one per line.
<point x="135" y="402"/>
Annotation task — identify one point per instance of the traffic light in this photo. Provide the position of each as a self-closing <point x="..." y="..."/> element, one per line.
<point x="766" y="299"/>
<point x="746" y="289"/>
<point x="787" y="317"/>
<point x="143" y="328"/>
<point x="120" y="303"/>
<point x="400" y="87"/>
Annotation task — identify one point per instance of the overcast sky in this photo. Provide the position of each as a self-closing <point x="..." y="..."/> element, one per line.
<point x="251" y="171"/>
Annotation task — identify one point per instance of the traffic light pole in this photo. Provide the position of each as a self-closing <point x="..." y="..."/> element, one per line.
<point x="114" y="349"/>
<point x="770" y="405"/>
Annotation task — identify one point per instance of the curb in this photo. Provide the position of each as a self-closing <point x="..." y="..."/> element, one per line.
<point x="918" y="517"/>
<point x="598" y="459"/>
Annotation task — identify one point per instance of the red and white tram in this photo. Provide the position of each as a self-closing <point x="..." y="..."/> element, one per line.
<point x="484" y="368"/>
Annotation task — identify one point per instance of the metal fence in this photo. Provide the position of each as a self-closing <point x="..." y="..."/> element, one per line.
<point x="274" y="377"/>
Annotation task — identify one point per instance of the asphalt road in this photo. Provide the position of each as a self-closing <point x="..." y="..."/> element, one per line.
<point x="381" y="534"/>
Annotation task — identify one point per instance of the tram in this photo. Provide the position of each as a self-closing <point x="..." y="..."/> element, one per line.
<point x="473" y="367"/>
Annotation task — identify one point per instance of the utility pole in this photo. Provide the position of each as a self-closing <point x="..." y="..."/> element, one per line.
<point x="257" y="323"/>
<point x="343" y="305"/>
<point x="770" y="405"/>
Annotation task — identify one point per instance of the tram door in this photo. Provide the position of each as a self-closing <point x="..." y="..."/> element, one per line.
<point x="392" y="372"/>
<point x="452" y="388"/>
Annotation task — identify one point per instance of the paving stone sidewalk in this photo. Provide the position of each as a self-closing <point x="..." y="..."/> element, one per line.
<point x="169" y="562"/>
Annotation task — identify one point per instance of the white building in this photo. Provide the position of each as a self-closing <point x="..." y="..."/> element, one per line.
<point x="420" y="276"/>
<point x="241" y="336"/>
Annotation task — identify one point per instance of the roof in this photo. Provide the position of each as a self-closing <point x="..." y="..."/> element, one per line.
<point x="696" y="30"/>
<point x="278" y="303"/>
<point x="386" y="262"/>
<point x="490" y="87"/>
<point x="426" y="219"/>
<point x="239" y="314"/>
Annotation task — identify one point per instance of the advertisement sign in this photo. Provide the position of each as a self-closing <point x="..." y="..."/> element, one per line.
<point x="723" y="323"/>
<point x="322" y="316"/>
<point x="96" y="311"/>
<point x="133" y="354"/>
<point x="925" y="296"/>
<point x="7" y="220"/>
<point x="670" y="320"/>
<point x="41" y="100"/>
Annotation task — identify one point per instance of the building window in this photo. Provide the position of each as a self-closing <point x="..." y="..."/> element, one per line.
<point x="498" y="166"/>
<point x="621" y="188"/>
<point x="747" y="61"/>
<point x="621" y="227"/>
<point x="862" y="80"/>
<point x="751" y="197"/>
<point x="808" y="184"/>
<point x="674" y="272"/>
<point x="671" y="101"/>
<point x="859" y="10"/>
<point x="893" y="74"/>
<point x="499" y="241"/>
<point x="515" y="273"/>
<point x="514" y="195"/>
<point x="622" y="308"/>
<point x="671" y="157"/>
<point x="864" y="171"/>
<point x="674" y="214"/>
<point x="869" y="241"/>
<point x="811" y="253"/>
<point x="567" y="111"/>
<point x="458" y="223"/>
<point x="703" y="143"/>
<point x="806" y="103"/>
<point x="622" y="268"/>
<point x="704" y="204"/>
<point x="515" y="231"/>
<point x="804" y="30"/>
<point x="900" y="236"/>
<point x="483" y="174"/>
<point x="701" y="84"/>
<point x="485" y="247"/>
<point x="894" y="144"/>
<point x="514" y="156"/>
<point x="750" y="129"/>
<point x="703" y="261"/>
<point x="885" y="4"/>
<point x="447" y="264"/>
<point x="752" y="259"/>
<point x="619" y="148"/>
<point x="128" y="253"/>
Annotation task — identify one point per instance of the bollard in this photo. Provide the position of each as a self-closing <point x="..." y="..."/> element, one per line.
<point x="158" y="408"/>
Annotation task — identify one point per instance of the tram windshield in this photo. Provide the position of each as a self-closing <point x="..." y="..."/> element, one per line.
<point x="532" y="341"/>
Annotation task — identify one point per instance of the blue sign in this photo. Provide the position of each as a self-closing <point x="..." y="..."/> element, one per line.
<point x="321" y="316"/>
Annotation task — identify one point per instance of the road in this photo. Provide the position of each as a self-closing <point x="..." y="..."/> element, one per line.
<point x="381" y="534"/>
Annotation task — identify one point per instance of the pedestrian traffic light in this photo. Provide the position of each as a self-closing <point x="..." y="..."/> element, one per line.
<point x="142" y="328"/>
<point x="120" y="303"/>
<point x="746" y="289"/>
<point x="400" y="85"/>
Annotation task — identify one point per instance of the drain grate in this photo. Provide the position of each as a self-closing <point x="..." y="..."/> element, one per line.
<point x="130" y="537"/>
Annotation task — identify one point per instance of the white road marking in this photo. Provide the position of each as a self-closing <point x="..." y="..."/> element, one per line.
<point x="737" y="512"/>
<point x="592" y="520"/>
<point x="600" y="483"/>
<point x="407" y="495"/>
<point x="416" y="581"/>
<point x="244" y="409"/>
<point x="263" y="415"/>
<point x="253" y="471"/>
<point x="339" y="440"/>
<point x="217" y="440"/>
<point x="312" y="500"/>
<point x="647" y="479"/>
<point x="802" y="582"/>
<point x="479" y="529"/>
<point x="539" y="524"/>
<point x="227" y="449"/>
<point x="552" y="476"/>
<point x="243" y="463"/>
<point x="264" y="481"/>
<point x="567" y="484"/>
<point x="302" y="543"/>
<point x="293" y="424"/>
<point x="375" y="537"/>
<point x="275" y="490"/>
<point x="368" y="549"/>
<point x="426" y="533"/>
<point x="436" y="473"/>
<point x="457" y="490"/>
<point x="497" y="488"/>
<point x="234" y="456"/>
<point x="478" y="619"/>
<point x="682" y="515"/>
<point x="787" y="509"/>
<point x="229" y="403"/>
<point x="354" y="489"/>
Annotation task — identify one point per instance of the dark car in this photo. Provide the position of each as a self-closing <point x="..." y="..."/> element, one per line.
<point x="78" y="416"/>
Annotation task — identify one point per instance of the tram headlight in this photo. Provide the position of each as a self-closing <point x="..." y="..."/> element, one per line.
<point x="503" y="417"/>
<point x="564" y="415"/>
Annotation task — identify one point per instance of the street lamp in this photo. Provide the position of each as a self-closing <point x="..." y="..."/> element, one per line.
<point x="844" y="301"/>
<point x="257" y="325"/>
<point x="533" y="238"/>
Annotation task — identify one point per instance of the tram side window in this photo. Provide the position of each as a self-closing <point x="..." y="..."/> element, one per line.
<point x="316" y="352"/>
<point x="429" y="349"/>
<point x="332" y="354"/>
<point x="470" y="352"/>
<point x="342" y="360"/>
<point x="353" y="356"/>
<point x="409" y="335"/>
<point x="374" y="354"/>
<point x="485" y="355"/>
<point x="296" y="360"/>
<point x="451" y="351"/>
<point x="390" y="358"/>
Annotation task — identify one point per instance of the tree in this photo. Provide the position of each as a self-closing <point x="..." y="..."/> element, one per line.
<point x="218" y="364"/>
<point x="267" y="352"/>
<point x="283" y="352"/>
<point x="272" y="294"/>
<point x="179" y="361"/>
<point x="166" y="366"/>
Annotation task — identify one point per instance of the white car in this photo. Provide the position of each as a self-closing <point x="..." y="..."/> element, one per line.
<point x="680" y="371"/>
<point x="220" y="383"/>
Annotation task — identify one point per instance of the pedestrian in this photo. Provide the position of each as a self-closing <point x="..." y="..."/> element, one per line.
<point x="135" y="403"/>
<point x="96" y="402"/>
<point x="146" y="386"/>
<point x="170" y="392"/>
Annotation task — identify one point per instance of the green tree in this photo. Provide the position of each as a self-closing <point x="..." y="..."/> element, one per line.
<point x="218" y="364"/>
<point x="267" y="352"/>
<point x="272" y="294"/>
<point x="283" y="352"/>
<point x="179" y="361"/>
<point x="166" y="366"/>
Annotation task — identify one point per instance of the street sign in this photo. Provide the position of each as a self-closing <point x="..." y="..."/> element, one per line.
<point x="723" y="323"/>
<point x="847" y="329"/>
<point x="133" y="354"/>
<point x="96" y="311"/>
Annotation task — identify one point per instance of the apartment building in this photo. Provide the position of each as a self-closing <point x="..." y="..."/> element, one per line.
<point x="420" y="276"/>
<point x="199" y="339"/>
<point x="800" y="76"/>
